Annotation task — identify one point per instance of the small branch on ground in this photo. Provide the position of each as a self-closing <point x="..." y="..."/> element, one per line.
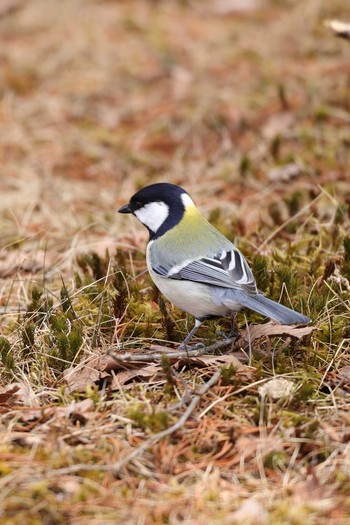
<point x="172" y="354"/>
<point x="116" y="468"/>
<point x="242" y="342"/>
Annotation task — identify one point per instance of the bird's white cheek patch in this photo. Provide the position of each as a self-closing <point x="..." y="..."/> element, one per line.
<point x="153" y="215"/>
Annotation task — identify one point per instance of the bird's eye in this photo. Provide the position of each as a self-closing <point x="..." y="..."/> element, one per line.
<point x="138" y="205"/>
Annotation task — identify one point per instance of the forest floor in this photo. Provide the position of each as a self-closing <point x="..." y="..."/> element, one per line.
<point x="246" y="104"/>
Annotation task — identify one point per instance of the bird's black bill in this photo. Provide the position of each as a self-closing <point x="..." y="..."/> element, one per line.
<point x="125" y="209"/>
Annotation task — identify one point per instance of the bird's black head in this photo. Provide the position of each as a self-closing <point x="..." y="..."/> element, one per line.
<point x="158" y="206"/>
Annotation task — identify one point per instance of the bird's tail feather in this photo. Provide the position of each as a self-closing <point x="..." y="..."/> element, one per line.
<point x="282" y="314"/>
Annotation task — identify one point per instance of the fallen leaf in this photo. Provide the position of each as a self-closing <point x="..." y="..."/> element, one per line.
<point x="89" y="372"/>
<point x="144" y="372"/>
<point x="339" y="380"/>
<point x="8" y="394"/>
<point x="18" y="393"/>
<point x="101" y="367"/>
<point x="344" y="374"/>
<point x="217" y="360"/>
<point x="259" y="331"/>
<point x="222" y="359"/>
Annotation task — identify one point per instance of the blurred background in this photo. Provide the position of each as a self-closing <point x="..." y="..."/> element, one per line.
<point x="243" y="102"/>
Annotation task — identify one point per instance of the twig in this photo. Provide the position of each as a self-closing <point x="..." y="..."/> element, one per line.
<point x="157" y="356"/>
<point x="244" y="340"/>
<point x="116" y="467"/>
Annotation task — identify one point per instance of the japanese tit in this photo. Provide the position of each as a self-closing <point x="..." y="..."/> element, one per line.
<point x="193" y="264"/>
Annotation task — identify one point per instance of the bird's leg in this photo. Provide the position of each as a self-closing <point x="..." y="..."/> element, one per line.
<point x="234" y="332"/>
<point x="189" y="336"/>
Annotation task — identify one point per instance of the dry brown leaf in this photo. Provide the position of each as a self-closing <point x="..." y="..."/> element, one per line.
<point x="88" y="373"/>
<point x="215" y="360"/>
<point x="149" y="372"/>
<point x="8" y="394"/>
<point x="220" y="359"/>
<point x="81" y="411"/>
<point x="339" y="380"/>
<point x="18" y="393"/>
<point x="101" y="367"/>
<point x="259" y="331"/>
<point x="344" y="374"/>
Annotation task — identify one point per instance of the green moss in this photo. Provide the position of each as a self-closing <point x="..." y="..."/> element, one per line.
<point x="276" y="460"/>
<point x="245" y="165"/>
<point x="295" y="202"/>
<point x="341" y="213"/>
<point x="167" y="322"/>
<point x="275" y="146"/>
<point x="168" y="372"/>
<point x="287" y="280"/>
<point x="6" y="354"/>
<point x="28" y="335"/>
<point x="260" y="265"/>
<point x="228" y="376"/>
<point x="155" y="421"/>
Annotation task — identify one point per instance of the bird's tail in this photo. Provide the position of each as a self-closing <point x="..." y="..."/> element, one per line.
<point x="261" y="304"/>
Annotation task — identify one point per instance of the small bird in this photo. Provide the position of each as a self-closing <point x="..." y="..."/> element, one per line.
<point x="196" y="267"/>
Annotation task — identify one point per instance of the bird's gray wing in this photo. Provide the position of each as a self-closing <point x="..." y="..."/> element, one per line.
<point x="227" y="270"/>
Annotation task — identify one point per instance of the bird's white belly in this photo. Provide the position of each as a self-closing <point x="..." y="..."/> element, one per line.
<point x="194" y="298"/>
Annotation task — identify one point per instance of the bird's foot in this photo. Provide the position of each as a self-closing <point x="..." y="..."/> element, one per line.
<point x="231" y="334"/>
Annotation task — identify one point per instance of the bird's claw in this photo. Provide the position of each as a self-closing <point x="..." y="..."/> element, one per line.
<point x="231" y="334"/>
